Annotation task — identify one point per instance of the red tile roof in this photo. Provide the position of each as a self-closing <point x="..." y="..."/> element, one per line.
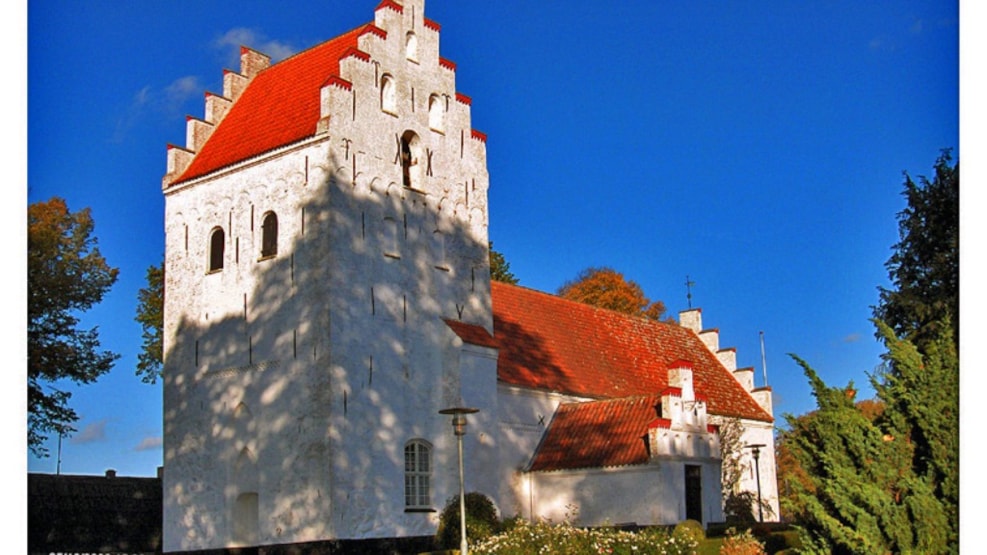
<point x="472" y="334"/>
<point x="597" y="434"/>
<point x="280" y="106"/>
<point x="553" y="344"/>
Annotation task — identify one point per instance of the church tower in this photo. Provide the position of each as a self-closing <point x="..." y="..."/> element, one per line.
<point x="326" y="250"/>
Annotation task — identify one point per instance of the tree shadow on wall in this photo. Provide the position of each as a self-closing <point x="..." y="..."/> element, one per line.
<point x="306" y="372"/>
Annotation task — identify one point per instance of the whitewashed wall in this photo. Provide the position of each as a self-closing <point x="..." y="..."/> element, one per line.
<point x="300" y="378"/>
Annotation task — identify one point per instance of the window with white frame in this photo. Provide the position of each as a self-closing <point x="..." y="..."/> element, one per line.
<point x="417" y="475"/>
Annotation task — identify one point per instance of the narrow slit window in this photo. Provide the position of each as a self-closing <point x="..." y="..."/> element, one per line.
<point x="217" y="244"/>
<point x="269" y="235"/>
<point x="410" y="156"/>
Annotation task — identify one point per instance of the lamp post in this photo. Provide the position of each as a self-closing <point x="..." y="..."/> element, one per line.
<point x="459" y="428"/>
<point x="756" y="451"/>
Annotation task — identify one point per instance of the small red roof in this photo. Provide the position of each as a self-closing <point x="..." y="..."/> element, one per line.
<point x="597" y="434"/>
<point x="553" y="344"/>
<point x="472" y="334"/>
<point x="280" y="106"/>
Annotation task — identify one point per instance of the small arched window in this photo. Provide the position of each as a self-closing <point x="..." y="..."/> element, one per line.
<point x="435" y="112"/>
<point x="388" y="100"/>
<point x="410" y="155"/>
<point x="217" y="244"/>
<point x="417" y="474"/>
<point x="411" y="46"/>
<point x="269" y="235"/>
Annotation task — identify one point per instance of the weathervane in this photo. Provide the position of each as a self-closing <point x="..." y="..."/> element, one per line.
<point x="688" y="289"/>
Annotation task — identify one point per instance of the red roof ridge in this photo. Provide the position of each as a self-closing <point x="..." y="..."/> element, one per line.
<point x="660" y="423"/>
<point x="430" y="24"/>
<point x="390" y="4"/>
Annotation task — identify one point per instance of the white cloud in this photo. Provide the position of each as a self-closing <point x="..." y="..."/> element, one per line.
<point x="93" y="432"/>
<point x="168" y="101"/>
<point x="232" y="40"/>
<point x="852" y="338"/>
<point x="149" y="443"/>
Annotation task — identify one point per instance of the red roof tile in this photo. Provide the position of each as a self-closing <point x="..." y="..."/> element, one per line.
<point x="472" y="334"/>
<point x="280" y="106"/>
<point x="597" y="434"/>
<point x="553" y="344"/>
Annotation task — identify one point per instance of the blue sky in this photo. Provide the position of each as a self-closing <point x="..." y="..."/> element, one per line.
<point x="755" y="147"/>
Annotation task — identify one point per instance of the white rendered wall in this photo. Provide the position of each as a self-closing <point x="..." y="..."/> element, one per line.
<point x="301" y="377"/>
<point x="646" y="494"/>
<point x="524" y="416"/>
<point x="761" y="433"/>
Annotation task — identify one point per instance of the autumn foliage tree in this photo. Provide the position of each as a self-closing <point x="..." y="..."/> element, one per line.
<point x="66" y="276"/>
<point x="607" y="288"/>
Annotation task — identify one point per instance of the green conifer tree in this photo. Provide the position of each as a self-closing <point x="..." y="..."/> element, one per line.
<point x="862" y="494"/>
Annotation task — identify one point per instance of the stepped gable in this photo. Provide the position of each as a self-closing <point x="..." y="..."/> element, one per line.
<point x="597" y="434"/>
<point x="553" y="344"/>
<point x="280" y="106"/>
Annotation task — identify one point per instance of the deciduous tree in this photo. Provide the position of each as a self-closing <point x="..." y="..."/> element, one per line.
<point x="607" y="288"/>
<point x="66" y="276"/>
<point x="150" y="315"/>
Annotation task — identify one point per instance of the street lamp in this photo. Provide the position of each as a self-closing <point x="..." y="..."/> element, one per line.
<point x="459" y="428"/>
<point x="756" y="451"/>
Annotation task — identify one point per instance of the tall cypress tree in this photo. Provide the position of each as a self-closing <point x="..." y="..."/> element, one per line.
<point x="925" y="265"/>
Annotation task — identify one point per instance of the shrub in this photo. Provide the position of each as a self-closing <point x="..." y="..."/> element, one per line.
<point x="527" y="538"/>
<point x="743" y="543"/>
<point x="481" y="520"/>
<point x="689" y="529"/>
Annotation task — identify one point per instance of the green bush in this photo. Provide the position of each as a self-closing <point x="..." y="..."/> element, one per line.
<point x="481" y="520"/>
<point x="689" y="529"/>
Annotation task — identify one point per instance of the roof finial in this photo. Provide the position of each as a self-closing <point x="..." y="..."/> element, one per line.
<point x="688" y="289"/>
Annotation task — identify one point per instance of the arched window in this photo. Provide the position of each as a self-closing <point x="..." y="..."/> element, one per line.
<point x="411" y="46"/>
<point x="217" y="243"/>
<point x="269" y="235"/>
<point x="417" y="474"/>
<point x="435" y="112"/>
<point x="410" y="155"/>
<point x="388" y="100"/>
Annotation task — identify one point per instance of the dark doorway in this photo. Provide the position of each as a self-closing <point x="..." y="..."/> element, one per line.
<point x="694" y="492"/>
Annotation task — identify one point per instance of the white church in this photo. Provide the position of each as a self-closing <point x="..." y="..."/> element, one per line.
<point x="328" y="292"/>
